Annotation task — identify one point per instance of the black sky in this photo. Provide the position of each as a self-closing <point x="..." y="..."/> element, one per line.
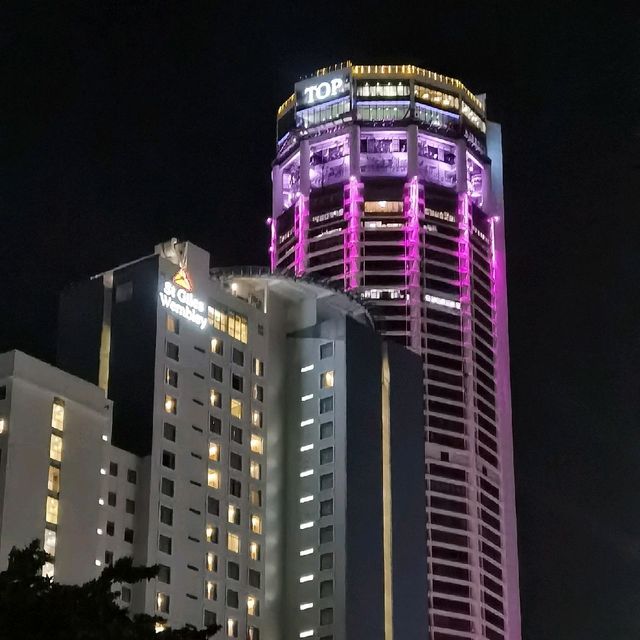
<point x="125" y="123"/>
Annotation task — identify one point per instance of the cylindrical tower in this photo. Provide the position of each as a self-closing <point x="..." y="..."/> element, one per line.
<point x="388" y="182"/>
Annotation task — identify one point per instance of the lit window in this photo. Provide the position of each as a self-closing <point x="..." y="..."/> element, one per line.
<point x="233" y="514"/>
<point x="306" y="605"/>
<point x="215" y="398"/>
<point x="306" y="634"/>
<point x="211" y="561"/>
<point x="252" y="606"/>
<point x="236" y="408"/>
<point x="171" y="377"/>
<point x="306" y="552"/>
<point x="254" y="551"/>
<point x="254" y="470"/>
<point x="162" y="602"/>
<point x="213" y="478"/>
<point x="233" y="542"/>
<point x="232" y="628"/>
<point x="326" y="380"/>
<point x="306" y="499"/>
<point x="48" y="570"/>
<point x="256" y="418"/>
<point x="170" y="404"/>
<point x="253" y="633"/>
<point x="55" y="448"/>
<point x="306" y="578"/>
<point x="3" y="425"/>
<point x="52" y="510"/>
<point x="50" y="542"/>
<point x="255" y="497"/>
<point x="214" y="451"/>
<point x="258" y="392"/>
<point x="306" y="447"/>
<point x="53" y="484"/>
<point x="306" y="525"/>
<point x="211" y="533"/>
<point x="217" y="346"/>
<point x="256" y="444"/>
<point x="309" y="367"/>
<point x="258" y="367"/>
<point x="306" y="473"/>
<point x="57" y="415"/>
<point x="218" y="319"/>
<point x="237" y="327"/>
<point x="256" y="523"/>
<point x="159" y="627"/>
<point x="173" y="325"/>
<point x="309" y="396"/>
<point x="306" y="423"/>
<point x="210" y="590"/>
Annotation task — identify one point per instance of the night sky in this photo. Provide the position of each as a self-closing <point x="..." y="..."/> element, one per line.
<point x="125" y="123"/>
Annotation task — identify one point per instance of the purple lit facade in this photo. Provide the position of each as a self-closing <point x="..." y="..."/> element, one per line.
<point x="388" y="183"/>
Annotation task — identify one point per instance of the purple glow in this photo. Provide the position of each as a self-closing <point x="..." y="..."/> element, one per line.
<point x="352" y="244"/>
<point x="300" y="226"/>
<point x="465" y="276"/>
<point x="413" y="207"/>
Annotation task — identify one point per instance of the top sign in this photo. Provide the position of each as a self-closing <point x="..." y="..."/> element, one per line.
<point x="176" y="296"/>
<point x="320" y="89"/>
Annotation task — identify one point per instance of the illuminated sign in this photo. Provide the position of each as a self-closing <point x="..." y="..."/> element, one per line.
<point x="316" y="90"/>
<point x="177" y="297"/>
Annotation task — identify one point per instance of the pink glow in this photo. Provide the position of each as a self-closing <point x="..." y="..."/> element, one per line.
<point x="464" y="225"/>
<point x="273" y="255"/>
<point x="300" y="226"/>
<point x="352" y="244"/>
<point x="413" y="207"/>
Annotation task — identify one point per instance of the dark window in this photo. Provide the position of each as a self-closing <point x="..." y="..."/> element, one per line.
<point x="326" y="616"/>
<point x="326" y="534"/>
<point x="113" y="468"/>
<point x="132" y="476"/>
<point x="111" y="499"/>
<point x="326" y="350"/>
<point x="326" y="507"/>
<point x="169" y="459"/>
<point x="326" y="481"/>
<point x="166" y="515"/>
<point x="237" y="382"/>
<point x="210" y="619"/>
<point x="235" y="487"/>
<point x="216" y="372"/>
<point x="236" y="434"/>
<point x="237" y="357"/>
<point x="111" y="528"/>
<point x="125" y="594"/>
<point x="167" y="487"/>
<point x="326" y="561"/>
<point x="124" y="292"/>
<point x="213" y="506"/>
<point x="108" y="558"/>
<point x="232" y="598"/>
<point x="130" y="506"/>
<point x="326" y="455"/>
<point x="173" y="351"/>
<point x="235" y="461"/>
<point x="326" y="588"/>
<point x="326" y="404"/>
<point x="326" y="430"/>
<point x="169" y="432"/>
<point x="215" y="425"/>
<point x="164" y="544"/>
<point x="172" y="378"/>
<point x="258" y="393"/>
<point x="233" y="570"/>
<point x="164" y="574"/>
<point x="254" y="578"/>
<point x="128" y="535"/>
<point x="3" y="392"/>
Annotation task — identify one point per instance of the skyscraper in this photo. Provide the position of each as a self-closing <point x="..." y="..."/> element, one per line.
<point x="387" y="182"/>
<point x="265" y="450"/>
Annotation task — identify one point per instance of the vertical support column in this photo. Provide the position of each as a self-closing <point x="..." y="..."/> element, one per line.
<point x="300" y="228"/>
<point x="276" y="210"/>
<point x="461" y="166"/>
<point x="466" y="321"/>
<point x="354" y="151"/>
<point x="352" y="208"/>
<point x="412" y="150"/>
<point x="413" y="214"/>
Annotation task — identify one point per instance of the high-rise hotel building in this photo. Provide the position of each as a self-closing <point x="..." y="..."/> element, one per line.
<point x="388" y="183"/>
<point x="260" y="443"/>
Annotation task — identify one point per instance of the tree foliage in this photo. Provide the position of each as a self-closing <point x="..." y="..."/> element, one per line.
<point x="34" y="607"/>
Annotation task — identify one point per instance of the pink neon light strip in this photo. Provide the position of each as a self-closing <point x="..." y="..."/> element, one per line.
<point x="353" y="237"/>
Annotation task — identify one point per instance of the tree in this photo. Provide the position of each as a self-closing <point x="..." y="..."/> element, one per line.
<point x="34" y="607"/>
